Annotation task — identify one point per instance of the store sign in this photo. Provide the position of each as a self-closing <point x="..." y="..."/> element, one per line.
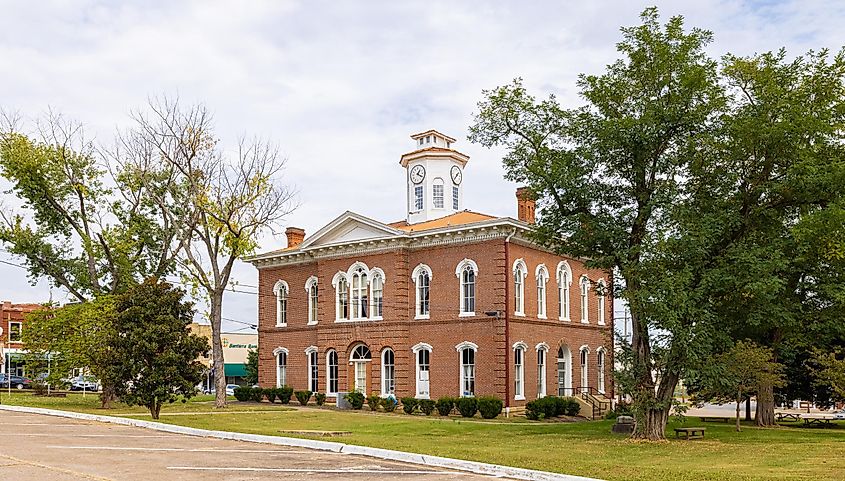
<point x="230" y="345"/>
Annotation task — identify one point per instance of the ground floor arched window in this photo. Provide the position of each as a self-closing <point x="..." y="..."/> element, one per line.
<point x="331" y="372"/>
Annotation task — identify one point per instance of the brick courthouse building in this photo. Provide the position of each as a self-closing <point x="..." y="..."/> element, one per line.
<point x="447" y="302"/>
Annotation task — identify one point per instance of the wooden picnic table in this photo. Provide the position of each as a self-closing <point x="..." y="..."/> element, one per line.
<point x="782" y="416"/>
<point x="823" y="420"/>
<point x="690" y="433"/>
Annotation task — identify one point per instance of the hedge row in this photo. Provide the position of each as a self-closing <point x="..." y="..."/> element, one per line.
<point x="283" y="394"/>
<point x="488" y="406"/>
<point x="552" y="406"/>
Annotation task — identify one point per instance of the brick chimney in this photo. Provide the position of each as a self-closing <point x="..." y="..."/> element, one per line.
<point x="295" y="236"/>
<point x="525" y="204"/>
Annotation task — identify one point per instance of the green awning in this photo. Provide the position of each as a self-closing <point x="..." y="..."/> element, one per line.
<point x="235" y="370"/>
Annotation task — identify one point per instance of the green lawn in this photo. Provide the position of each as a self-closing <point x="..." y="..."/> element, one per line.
<point x="587" y="448"/>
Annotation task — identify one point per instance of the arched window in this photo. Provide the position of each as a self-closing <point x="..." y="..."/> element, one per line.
<point x="331" y="372"/>
<point x="601" y="289"/>
<point x="341" y="285"/>
<point x="377" y="285"/>
<point x="422" y="278"/>
<point x="360" y="285"/>
<point x="281" y="366"/>
<point x="422" y="354"/>
<point x="519" y="370"/>
<point x="585" y="378"/>
<point x="313" y="369"/>
<point x="564" y="280"/>
<point x="600" y="369"/>
<point x="520" y="271"/>
<point x="437" y="193"/>
<point x="564" y="371"/>
<point x="542" y="349"/>
<point x="313" y="297"/>
<point x="388" y="372"/>
<point x="359" y="358"/>
<point x="542" y="276"/>
<point x="466" y="351"/>
<point x="280" y="289"/>
<point x="467" y="271"/>
<point x="585" y="293"/>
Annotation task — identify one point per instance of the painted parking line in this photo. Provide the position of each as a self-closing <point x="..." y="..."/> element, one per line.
<point x="318" y="471"/>
<point x="52" y="435"/>
<point x="184" y="450"/>
<point x="46" y="424"/>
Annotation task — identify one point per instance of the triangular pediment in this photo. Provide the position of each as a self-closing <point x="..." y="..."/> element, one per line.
<point x="350" y="227"/>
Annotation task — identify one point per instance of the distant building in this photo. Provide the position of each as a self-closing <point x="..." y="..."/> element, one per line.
<point x="444" y="302"/>
<point x="13" y="322"/>
<point x="236" y="346"/>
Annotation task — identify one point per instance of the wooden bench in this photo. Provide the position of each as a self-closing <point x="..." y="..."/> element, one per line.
<point x="690" y="433"/>
<point x="714" y="419"/>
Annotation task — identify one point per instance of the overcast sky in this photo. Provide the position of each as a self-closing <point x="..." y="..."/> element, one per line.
<point x="340" y="85"/>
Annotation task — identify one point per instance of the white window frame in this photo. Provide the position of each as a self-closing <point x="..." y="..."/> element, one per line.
<point x="420" y="393"/>
<point x="456" y="197"/>
<point x="280" y="288"/>
<point x="385" y="390"/>
<point x="313" y="299"/>
<point x="602" y="289"/>
<point x="359" y="274"/>
<point x="519" y="349"/>
<point x="541" y="368"/>
<point x="520" y="272"/>
<point x="459" y="270"/>
<point x="542" y="276"/>
<point x="419" y="198"/>
<point x="584" y="359"/>
<point x="601" y="361"/>
<point x="279" y="377"/>
<point x="340" y="279"/>
<point x="355" y="362"/>
<point x="313" y="363"/>
<point x="418" y="271"/>
<point x="376" y="273"/>
<point x="20" y="331"/>
<point x="584" y="286"/>
<point x="329" y="366"/>
<point x="564" y="281"/>
<point x="435" y="196"/>
<point x="462" y="378"/>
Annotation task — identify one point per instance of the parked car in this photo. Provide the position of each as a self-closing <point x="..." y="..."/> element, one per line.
<point x="84" y="383"/>
<point x="839" y="414"/>
<point x="18" y="382"/>
<point x="230" y="390"/>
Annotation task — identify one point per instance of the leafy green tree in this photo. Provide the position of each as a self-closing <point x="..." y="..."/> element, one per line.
<point x="61" y="339"/>
<point x="829" y="372"/>
<point x="158" y="361"/>
<point x="251" y="367"/>
<point x="608" y="177"/>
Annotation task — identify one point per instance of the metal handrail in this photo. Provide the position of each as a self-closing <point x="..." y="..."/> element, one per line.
<point x="591" y="396"/>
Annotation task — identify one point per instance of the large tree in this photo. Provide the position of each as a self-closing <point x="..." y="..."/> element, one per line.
<point x="608" y="178"/>
<point x="227" y="200"/>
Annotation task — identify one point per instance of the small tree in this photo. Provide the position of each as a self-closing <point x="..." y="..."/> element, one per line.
<point x="159" y="355"/>
<point x="829" y="372"/>
<point x="251" y="367"/>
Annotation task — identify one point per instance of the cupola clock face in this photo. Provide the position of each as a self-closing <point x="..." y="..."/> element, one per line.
<point x="457" y="175"/>
<point x="417" y="174"/>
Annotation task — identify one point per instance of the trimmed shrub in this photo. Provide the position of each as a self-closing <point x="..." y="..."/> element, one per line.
<point x="409" y="404"/>
<point x="373" y="401"/>
<point x="320" y="398"/>
<point x="257" y="394"/>
<point x="467" y="406"/>
<point x="242" y="394"/>
<point x="551" y="406"/>
<point x="270" y="392"/>
<point x="356" y="399"/>
<point x="490" y="406"/>
<point x="426" y="406"/>
<point x="302" y="396"/>
<point x="444" y="405"/>
<point x="389" y="404"/>
<point x="572" y="407"/>
<point x="284" y="394"/>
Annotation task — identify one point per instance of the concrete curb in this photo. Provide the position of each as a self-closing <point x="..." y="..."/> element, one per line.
<point x="386" y="454"/>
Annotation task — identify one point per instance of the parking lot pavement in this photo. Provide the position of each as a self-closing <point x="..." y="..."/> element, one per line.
<point x="45" y="448"/>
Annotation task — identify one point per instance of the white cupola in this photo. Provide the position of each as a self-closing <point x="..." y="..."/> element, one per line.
<point x="434" y="174"/>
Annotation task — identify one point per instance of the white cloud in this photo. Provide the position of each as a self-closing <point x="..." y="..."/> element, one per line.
<point x="341" y="85"/>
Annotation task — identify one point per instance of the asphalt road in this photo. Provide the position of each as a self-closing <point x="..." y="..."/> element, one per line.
<point x="37" y="447"/>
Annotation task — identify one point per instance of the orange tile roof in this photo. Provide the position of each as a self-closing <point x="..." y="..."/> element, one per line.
<point x="458" y="218"/>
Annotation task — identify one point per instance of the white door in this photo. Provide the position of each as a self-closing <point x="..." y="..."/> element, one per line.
<point x="361" y="377"/>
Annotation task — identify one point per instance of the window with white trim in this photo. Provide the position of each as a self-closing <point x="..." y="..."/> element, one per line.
<point x="519" y="274"/>
<point x="281" y="291"/>
<point x="360" y="286"/>
<point x="422" y="279"/>
<point x="281" y="366"/>
<point x="437" y="193"/>
<point x="313" y="297"/>
<point x="388" y="372"/>
<point x="541" y="371"/>
<point x="564" y="279"/>
<point x="341" y="297"/>
<point x="377" y="283"/>
<point x="467" y="271"/>
<point x="455" y="197"/>
<point x="15" y="332"/>
<point x="585" y="378"/>
<point x="519" y="373"/>
<point x="600" y="369"/>
<point x="542" y="278"/>
<point x="359" y="358"/>
<point x="313" y="369"/>
<point x="601" y="288"/>
<point x="585" y="293"/>
<point x="418" y="197"/>
<point x="466" y="351"/>
<point x="422" y="353"/>
<point x="331" y="372"/>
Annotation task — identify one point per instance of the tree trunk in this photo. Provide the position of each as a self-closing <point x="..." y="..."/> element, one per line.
<point x="766" y="406"/>
<point x="217" y="349"/>
<point x="107" y="396"/>
<point x="652" y="425"/>
<point x="738" y="404"/>
<point x="155" y="409"/>
<point x="748" y="409"/>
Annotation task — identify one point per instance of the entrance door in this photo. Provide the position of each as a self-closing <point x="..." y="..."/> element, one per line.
<point x="361" y="377"/>
<point x="564" y="372"/>
<point x="360" y="359"/>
